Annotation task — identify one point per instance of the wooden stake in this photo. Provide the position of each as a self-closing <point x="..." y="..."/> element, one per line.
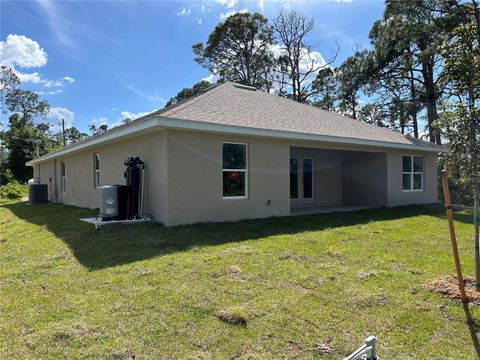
<point x="448" y="207"/>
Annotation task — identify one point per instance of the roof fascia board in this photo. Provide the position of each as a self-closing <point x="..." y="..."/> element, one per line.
<point x="134" y="129"/>
<point x="290" y="135"/>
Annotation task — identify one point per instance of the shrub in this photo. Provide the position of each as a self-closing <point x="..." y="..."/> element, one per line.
<point x="13" y="191"/>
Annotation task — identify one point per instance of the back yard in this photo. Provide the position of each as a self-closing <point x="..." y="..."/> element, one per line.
<point x="307" y="287"/>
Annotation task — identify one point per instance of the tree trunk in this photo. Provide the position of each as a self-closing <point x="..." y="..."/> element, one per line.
<point x="413" y="107"/>
<point x="431" y="100"/>
<point x="476" y="238"/>
<point x="415" y="123"/>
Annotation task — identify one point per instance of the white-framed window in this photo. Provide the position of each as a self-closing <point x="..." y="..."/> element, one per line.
<point x="235" y="170"/>
<point x="63" y="177"/>
<point x="412" y="173"/>
<point x="96" y="170"/>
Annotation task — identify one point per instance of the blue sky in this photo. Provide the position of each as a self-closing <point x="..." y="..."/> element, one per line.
<point x="99" y="61"/>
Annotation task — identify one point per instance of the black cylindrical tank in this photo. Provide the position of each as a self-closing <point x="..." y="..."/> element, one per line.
<point x="132" y="174"/>
<point x="133" y="181"/>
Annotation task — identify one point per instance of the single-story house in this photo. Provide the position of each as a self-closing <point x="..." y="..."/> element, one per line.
<point x="234" y="152"/>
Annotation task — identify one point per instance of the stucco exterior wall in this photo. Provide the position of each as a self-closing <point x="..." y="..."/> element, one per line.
<point x="184" y="176"/>
<point x="195" y="179"/>
<point x="364" y="179"/>
<point x="396" y="196"/>
<point x="79" y="170"/>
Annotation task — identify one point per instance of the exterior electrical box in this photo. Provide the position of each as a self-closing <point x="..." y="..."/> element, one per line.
<point x="114" y="202"/>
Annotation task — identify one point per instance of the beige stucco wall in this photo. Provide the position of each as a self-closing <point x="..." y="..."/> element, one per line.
<point x="195" y="179"/>
<point x="184" y="176"/>
<point x="396" y="196"/>
<point x="80" y="190"/>
<point x="364" y="178"/>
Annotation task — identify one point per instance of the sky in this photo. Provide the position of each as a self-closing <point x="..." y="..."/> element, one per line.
<point x="98" y="62"/>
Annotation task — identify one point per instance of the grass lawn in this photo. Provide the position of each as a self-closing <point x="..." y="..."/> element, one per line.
<point x="308" y="287"/>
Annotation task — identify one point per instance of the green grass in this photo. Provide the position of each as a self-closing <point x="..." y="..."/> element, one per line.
<point x="308" y="287"/>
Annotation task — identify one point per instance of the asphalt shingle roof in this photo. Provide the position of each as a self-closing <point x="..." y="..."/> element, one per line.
<point x="243" y="106"/>
<point x="233" y="104"/>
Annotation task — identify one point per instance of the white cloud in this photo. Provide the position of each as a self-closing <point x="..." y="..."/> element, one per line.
<point x="309" y="60"/>
<point x="55" y="116"/>
<point x="225" y="15"/>
<point x="212" y="78"/>
<point x="99" y="121"/>
<point x="184" y="12"/>
<point x="21" y="51"/>
<point x="59" y="23"/>
<point x="261" y="5"/>
<point x="36" y="78"/>
<point x="155" y="97"/>
<point x="52" y="92"/>
<point x="344" y="1"/>
<point x="132" y="116"/>
<point x="33" y="78"/>
<point x="227" y="3"/>
<point x="200" y="21"/>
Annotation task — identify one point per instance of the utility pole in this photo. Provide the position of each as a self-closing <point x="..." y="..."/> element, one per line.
<point x="63" y="133"/>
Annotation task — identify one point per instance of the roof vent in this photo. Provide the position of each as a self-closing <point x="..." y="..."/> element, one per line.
<point x="245" y="87"/>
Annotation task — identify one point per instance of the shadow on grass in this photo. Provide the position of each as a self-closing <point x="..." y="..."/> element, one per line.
<point x="473" y="327"/>
<point x="117" y="245"/>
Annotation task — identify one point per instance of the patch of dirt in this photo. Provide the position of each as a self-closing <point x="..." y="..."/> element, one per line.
<point x="382" y="300"/>
<point x="234" y="270"/>
<point x="62" y="336"/>
<point x="366" y="274"/>
<point x="26" y="330"/>
<point x="323" y="348"/>
<point x="448" y="286"/>
<point x="232" y="317"/>
<point x="123" y="355"/>
<point x="293" y="256"/>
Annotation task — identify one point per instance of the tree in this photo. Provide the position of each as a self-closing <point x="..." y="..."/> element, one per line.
<point x="27" y="104"/>
<point x="24" y="142"/>
<point x="238" y="49"/>
<point x="23" y="139"/>
<point x="461" y="119"/>
<point x="8" y="80"/>
<point x="406" y="45"/>
<point x="373" y="114"/>
<point x="73" y="135"/>
<point x="325" y="88"/>
<point x="352" y="76"/>
<point x="98" y="129"/>
<point x="297" y="65"/>
<point x="187" y="93"/>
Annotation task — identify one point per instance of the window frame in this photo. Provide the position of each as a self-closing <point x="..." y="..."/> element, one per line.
<point x="63" y="177"/>
<point x="297" y="158"/>
<point x="412" y="173"/>
<point x="96" y="172"/>
<point x="237" y="170"/>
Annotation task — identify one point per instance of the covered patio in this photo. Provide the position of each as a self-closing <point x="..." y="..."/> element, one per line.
<point x="325" y="180"/>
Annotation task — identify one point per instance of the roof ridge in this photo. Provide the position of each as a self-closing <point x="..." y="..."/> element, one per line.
<point x="190" y="101"/>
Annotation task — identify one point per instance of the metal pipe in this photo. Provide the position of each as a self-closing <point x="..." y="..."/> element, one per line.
<point x="368" y="349"/>
<point x="142" y="191"/>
